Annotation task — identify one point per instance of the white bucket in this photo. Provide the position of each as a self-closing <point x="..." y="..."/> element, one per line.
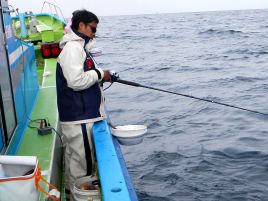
<point x="85" y="190"/>
<point x="129" y="134"/>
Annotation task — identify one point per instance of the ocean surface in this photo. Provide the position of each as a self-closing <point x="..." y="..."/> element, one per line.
<point x="193" y="150"/>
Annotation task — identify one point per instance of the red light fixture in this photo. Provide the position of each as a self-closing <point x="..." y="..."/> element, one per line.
<point x="50" y="50"/>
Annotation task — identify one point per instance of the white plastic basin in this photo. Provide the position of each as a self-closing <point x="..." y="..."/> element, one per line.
<point x="129" y="134"/>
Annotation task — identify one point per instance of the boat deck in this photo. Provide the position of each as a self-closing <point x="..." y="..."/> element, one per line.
<point x="46" y="107"/>
<point x="33" y="103"/>
<point x="115" y="181"/>
<point x="46" y="147"/>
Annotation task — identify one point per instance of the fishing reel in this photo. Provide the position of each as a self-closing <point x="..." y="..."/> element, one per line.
<point x="114" y="76"/>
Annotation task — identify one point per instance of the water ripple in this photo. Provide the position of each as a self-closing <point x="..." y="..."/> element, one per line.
<point x="193" y="150"/>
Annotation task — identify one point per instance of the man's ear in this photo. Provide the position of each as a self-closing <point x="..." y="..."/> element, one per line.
<point x="81" y="25"/>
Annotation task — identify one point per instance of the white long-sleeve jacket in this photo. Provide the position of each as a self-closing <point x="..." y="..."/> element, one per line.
<point x="71" y="61"/>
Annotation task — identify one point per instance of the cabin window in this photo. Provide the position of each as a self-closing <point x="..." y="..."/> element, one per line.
<point x="2" y="143"/>
<point x="7" y="109"/>
<point x="8" y="116"/>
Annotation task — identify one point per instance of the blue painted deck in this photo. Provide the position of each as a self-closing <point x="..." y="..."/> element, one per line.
<point x="116" y="184"/>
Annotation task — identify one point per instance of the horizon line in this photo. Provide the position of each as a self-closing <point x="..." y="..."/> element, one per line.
<point x="201" y="11"/>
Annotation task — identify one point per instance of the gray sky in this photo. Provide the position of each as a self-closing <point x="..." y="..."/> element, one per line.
<point x="127" y="7"/>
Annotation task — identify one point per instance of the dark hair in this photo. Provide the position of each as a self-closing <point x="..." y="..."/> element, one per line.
<point x="83" y="16"/>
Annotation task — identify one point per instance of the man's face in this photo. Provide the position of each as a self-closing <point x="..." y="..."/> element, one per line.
<point x="88" y="29"/>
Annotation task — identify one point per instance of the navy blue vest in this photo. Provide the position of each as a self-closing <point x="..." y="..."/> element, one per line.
<point x="77" y="105"/>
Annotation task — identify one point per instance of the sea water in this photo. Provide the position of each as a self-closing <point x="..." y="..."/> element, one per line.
<point x="193" y="150"/>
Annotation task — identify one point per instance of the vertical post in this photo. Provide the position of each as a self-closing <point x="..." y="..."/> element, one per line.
<point x="23" y="30"/>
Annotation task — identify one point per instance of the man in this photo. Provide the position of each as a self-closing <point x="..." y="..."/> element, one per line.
<point x="79" y="96"/>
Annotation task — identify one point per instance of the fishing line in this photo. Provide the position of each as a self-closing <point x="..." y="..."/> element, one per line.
<point x="188" y="96"/>
<point x="108" y="86"/>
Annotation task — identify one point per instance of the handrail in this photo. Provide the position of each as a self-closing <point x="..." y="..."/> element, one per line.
<point x="112" y="173"/>
<point x="56" y="9"/>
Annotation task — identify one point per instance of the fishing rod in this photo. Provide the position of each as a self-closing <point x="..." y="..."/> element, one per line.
<point x="185" y="95"/>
